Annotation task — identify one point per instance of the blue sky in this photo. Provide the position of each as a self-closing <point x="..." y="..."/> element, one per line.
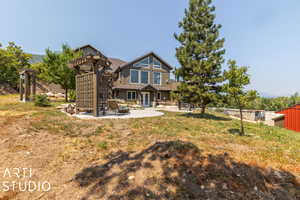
<point x="264" y="35"/>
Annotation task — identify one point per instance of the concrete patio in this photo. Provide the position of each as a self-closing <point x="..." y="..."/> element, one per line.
<point x="147" y="112"/>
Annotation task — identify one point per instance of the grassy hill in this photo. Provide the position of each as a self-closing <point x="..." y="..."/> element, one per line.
<point x="175" y="156"/>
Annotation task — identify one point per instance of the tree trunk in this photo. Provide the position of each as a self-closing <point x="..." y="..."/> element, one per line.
<point x="203" y="109"/>
<point x="66" y="95"/>
<point x="242" y="133"/>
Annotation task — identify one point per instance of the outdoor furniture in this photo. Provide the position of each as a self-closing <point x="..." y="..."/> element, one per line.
<point x="117" y="108"/>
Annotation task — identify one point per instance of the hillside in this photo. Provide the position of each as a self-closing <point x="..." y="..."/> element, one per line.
<point x="36" y="58"/>
<point x="175" y="156"/>
<point x="5" y="89"/>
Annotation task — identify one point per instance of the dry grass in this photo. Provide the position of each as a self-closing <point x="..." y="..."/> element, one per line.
<point x="57" y="146"/>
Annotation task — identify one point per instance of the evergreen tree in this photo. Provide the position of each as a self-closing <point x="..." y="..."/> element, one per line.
<point x="238" y="78"/>
<point x="200" y="55"/>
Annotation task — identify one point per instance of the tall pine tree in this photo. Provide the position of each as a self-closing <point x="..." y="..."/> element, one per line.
<point x="200" y="55"/>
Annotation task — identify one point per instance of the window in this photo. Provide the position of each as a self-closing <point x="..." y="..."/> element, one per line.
<point x="131" y="95"/>
<point x="156" y="63"/>
<point x="144" y="77"/>
<point x="143" y="63"/>
<point x="158" y="96"/>
<point x="157" y="78"/>
<point x="134" y="76"/>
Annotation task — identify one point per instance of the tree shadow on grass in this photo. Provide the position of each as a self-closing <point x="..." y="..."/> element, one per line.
<point x="179" y="170"/>
<point x="205" y="116"/>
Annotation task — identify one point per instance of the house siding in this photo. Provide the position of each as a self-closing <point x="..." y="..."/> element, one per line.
<point x="122" y="83"/>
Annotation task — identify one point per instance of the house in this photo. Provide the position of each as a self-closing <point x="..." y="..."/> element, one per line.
<point x="145" y="80"/>
<point x="289" y="118"/>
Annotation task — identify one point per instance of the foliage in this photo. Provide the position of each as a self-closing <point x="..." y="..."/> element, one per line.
<point x="275" y="103"/>
<point x="265" y="103"/>
<point x="72" y="95"/>
<point x="12" y="59"/>
<point x="41" y="100"/>
<point x="238" y="78"/>
<point x="55" y="69"/>
<point x="200" y="55"/>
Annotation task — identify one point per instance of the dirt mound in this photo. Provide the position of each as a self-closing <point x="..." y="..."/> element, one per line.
<point x="5" y="88"/>
<point x="179" y="170"/>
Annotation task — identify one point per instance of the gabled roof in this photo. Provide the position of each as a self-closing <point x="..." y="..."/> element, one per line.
<point x="86" y="46"/>
<point x="146" y="55"/>
<point x="148" y="87"/>
<point x="115" y="63"/>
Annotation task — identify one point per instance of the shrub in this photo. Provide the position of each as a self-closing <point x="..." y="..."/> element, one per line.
<point x="41" y="100"/>
<point x="72" y="95"/>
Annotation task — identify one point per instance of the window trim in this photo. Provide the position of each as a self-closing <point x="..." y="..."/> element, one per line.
<point x="159" y="78"/>
<point x="137" y="78"/>
<point x="131" y="99"/>
<point x="139" y="64"/>
<point x="141" y="76"/>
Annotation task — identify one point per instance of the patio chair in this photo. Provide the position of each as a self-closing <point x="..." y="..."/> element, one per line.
<point x="114" y="106"/>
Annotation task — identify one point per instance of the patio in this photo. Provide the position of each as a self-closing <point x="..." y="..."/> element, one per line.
<point x="147" y="112"/>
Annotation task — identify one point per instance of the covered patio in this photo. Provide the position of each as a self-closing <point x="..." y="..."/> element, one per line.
<point x="143" y="95"/>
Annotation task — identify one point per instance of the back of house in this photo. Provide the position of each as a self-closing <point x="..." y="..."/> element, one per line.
<point x="145" y="80"/>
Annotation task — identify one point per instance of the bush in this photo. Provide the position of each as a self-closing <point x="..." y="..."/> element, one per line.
<point x="72" y="95"/>
<point x="41" y="100"/>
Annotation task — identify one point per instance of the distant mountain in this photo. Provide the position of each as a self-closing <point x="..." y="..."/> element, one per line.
<point x="36" y="58"/>
<point x="267" y="95"/>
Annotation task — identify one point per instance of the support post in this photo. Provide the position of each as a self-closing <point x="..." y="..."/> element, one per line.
<point x="21" y="88"/>
<point x="139" y="97"/>
<point x="154" y="98"/>
<point x="27" y="87"/>
<point x="33" y="86"/>
<point x="95" y="94"/>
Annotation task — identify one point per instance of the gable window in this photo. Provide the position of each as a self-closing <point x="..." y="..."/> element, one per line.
<point x="143" y="63"/>
<point x="157" y="78"/>
<point x="156" y="63"/>
<point x="134" y="76"/>
<point x="131" y="95"/>
<point x="158" y="96"/>
<point x="144" y="77"/>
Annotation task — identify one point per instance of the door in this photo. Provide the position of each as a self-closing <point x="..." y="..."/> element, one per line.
<point x="146" y="99"/>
